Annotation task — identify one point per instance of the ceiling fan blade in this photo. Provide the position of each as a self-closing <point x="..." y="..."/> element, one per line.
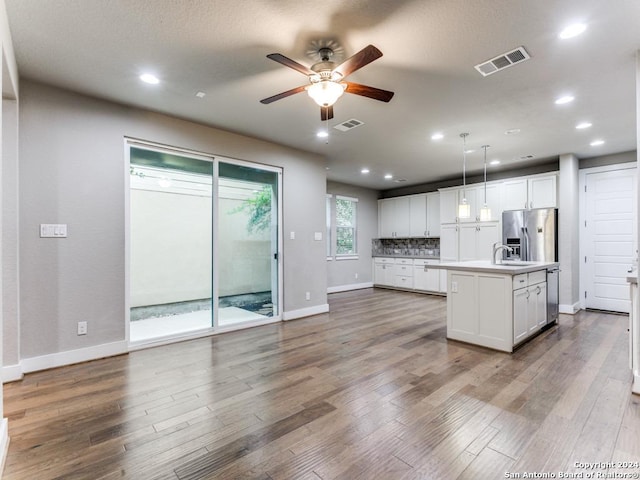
<point x="287" y="62"/>
<point x="326" y="113"/>
<point x="365" y="56"/>
<point x="371" y="92"/>
<point x="288" y="93"/>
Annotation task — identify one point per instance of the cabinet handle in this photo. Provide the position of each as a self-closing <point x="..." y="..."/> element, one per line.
<point x="426" y="269"/>
<point x="528" y="294"/>
<point x="428" y="233"/>
<point x="538" y="290"/>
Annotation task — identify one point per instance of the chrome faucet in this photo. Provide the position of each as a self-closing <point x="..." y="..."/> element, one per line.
<point x="497" y="247"/>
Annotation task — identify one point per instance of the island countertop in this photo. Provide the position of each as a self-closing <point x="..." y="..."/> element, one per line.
<point x="513" y="268"/>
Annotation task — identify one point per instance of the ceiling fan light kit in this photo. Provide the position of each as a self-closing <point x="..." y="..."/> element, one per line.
<point x="327" y="82"/>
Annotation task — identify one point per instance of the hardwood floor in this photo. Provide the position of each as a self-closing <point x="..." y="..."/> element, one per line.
<point x="372" y="390"/>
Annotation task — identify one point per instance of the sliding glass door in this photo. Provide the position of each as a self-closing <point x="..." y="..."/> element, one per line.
<point x="247" y="243"/>
<point x="203" y="243"/>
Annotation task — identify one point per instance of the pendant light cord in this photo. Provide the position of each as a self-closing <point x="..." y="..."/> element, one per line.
<point x="485" y="172"/>
<point x="464" y="165"/>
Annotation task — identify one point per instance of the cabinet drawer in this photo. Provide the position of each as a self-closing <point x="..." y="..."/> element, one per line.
<point x="404" y="270"/>
<point x="520" y="281"/>
<point x="403" y="281"/>
<point x="420" y="262"/>
<point x="404" y="261"/>
<point x="384" y="260"/>
<point x="537" y="277"/>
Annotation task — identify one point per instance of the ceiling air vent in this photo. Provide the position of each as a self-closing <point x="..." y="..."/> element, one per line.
<point x="348" y="125"/>
<point x="526" y="157"/>
<point x="503" y="61"/>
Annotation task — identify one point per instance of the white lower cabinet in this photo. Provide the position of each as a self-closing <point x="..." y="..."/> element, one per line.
<point x="384" y="271"/>
<point x="495" y="310"/>
<point x="529" y="304"/>
<point x="409" y="274"/>
<point x="404" y="273"/>
<point x="425" y="277"/>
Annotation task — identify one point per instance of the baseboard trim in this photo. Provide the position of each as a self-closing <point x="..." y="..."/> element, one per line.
<point x="569" y="309"/>
<point x="70" y="357"/>
<point x="347" y="288"/>
<point x="635" y="386"/>
<point x="12" y="373"/>
<point x="305" y="312"/>
<point x="4" y="443"/>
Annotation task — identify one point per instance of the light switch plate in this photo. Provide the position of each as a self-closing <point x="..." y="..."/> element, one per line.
<point x="317" y="236"/>
<point x="292" y="235"/>
<point x="53" y="230"/>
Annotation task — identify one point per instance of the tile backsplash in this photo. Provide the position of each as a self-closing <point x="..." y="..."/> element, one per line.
<point x="418" y="247"/>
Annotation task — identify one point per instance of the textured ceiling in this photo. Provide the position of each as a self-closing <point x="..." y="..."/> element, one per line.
<point x="99" y="47"/>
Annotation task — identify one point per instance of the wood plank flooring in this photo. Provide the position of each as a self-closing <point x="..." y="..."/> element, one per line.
<point x="372" y="390"/>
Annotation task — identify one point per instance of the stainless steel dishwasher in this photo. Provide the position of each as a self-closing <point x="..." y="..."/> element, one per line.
<point x="552" y="295"/>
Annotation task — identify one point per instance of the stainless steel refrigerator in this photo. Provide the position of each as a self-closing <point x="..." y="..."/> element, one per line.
<point x="533" y="237"/>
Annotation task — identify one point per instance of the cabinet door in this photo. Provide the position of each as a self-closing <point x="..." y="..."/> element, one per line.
<point x="426" y="278"/>
<point x="384" y="274"/>
<point x="520" y="310"/>
<point x="433" y="214"/>
<point x="542" y="192"/>
<point x="467" y="248"/>
<point x="386" y="218"/>
<point x="418" y="215"/>
<point x="494" y="201"/>
<point x="514" y="195"/>
<point x="378" y="273"/>
<point x="532" y="312"/>
<point x="401" y="212"/>
<point x="471" y="194"/>
<point x="540" y="291"/>
<point x="449" y="205"/>
<point x="487" y="235"/>
<point x="449" y="243"/>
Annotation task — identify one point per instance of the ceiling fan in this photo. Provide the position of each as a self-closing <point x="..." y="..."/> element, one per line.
<point x="327" y="80"/>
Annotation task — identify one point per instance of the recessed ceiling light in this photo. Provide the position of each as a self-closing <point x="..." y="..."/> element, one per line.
<point x="388" y="176"/>
<point x="565" y="99"/>
<point x="469" y="151"/>
<point x="437" y="136"/>
<point x="582" y="125"/>
<point x="364" y="170"/>
<point x="322" y="134"/>
<point x="572" y="30"/>
<point x="512" y="131"/>
<point x="201" y="94"/>
<point x="149" y="78"/>
<point x="494" y="162"/>
<point x="596" y="143"/>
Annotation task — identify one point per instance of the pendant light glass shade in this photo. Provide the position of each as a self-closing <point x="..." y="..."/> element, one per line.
<point x="485" y="211"/>
<point x="464" y="209"/>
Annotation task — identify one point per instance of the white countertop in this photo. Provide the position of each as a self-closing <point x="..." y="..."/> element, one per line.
<point x="488" y="267"/>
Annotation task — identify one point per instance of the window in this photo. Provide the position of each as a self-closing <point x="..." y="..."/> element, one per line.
<point x="328" y="233"/>
<point x="346" y="225"/>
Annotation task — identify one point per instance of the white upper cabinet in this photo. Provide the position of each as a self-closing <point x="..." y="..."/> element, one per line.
<point x="449" y="205"/>
<point x="449" y="242"/>
<point x="433" y="214"/>
<point x="533" y="192"/>
<point x="393" y="217"/>
<point x="418" y="215"/>
<point x="542" y="192"/>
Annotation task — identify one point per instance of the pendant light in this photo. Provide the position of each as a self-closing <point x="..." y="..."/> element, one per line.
<point x="464" y="209"/>
<point x="485" y="211"/>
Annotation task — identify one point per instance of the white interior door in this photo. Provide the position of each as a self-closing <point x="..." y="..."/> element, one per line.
<point x="609" y="238"/>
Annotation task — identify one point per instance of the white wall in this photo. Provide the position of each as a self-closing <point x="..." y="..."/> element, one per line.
<point x="170" y="247"/>
<point x="342" y="273"/>
<point x="73" y="172"/>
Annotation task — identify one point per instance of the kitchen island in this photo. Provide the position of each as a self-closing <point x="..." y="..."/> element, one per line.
<point x="497" y="306"/>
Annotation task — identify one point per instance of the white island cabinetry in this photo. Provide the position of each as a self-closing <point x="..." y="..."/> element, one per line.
<point x="495" y="306"/>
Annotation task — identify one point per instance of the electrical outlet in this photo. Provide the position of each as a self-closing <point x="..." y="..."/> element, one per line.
<point x="454" y="287"/>
<point x="356" y="276"/>
<point x="82" y="328"/>
<point x="308" y="295"/>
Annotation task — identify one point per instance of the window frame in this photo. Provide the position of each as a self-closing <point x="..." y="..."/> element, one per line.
<point x="353" y="226"/>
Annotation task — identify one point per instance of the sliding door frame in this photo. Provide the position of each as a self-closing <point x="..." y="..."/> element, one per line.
<point x="215" y="160"/>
